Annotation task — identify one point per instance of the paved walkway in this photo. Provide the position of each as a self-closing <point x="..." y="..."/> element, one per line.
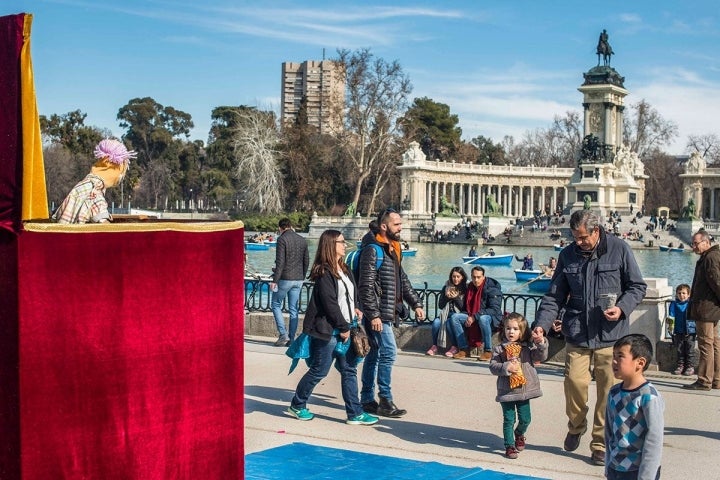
<point x="453" y="420"/>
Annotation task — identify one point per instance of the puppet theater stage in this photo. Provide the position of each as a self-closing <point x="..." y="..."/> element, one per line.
<point x="122" y="344"/>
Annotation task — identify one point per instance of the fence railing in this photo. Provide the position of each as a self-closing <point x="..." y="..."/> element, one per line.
<point x="258" y="296"/>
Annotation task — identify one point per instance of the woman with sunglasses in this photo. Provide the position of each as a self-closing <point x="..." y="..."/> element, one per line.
<point x="332" y="309"/>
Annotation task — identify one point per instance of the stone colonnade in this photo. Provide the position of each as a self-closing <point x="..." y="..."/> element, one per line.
<point x="518" y="191"/>
<point x="704" y="189"/>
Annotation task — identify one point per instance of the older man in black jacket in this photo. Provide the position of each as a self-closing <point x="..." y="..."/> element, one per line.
<point x="705" y="310"/>
<point x="597" y="284"/>
<point x="382" y="291"/>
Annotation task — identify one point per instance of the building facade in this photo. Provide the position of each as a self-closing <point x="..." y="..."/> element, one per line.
<point x="321" y="85"/>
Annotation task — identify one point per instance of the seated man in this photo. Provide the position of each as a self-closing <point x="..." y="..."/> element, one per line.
<point x="472" y="252"/>
<point x="483" y="303"/>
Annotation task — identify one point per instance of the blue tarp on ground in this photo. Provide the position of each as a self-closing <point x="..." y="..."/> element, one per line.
<point x="300" y="461"/>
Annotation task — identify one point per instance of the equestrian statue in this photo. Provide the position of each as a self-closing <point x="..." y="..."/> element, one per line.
<point x="604" y="49"/>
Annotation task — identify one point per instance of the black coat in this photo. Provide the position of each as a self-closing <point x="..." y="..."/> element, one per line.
<point x="382" y="290"/>
<point x="323" y="314"/>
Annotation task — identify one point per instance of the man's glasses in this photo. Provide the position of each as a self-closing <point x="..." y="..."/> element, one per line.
<point x="695" y="244"/>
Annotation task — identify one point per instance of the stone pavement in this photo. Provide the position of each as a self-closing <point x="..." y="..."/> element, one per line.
<point x="453" y="418"/>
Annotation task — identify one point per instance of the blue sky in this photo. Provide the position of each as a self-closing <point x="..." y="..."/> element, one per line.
<point x="504" y="67"/>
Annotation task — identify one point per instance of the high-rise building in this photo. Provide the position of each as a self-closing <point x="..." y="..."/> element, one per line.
<point x="322" y="85"/>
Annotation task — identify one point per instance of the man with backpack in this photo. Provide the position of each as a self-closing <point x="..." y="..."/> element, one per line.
<point x="383" y="286"/>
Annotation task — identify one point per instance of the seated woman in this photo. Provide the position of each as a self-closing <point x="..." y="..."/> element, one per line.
<point x="472" y="252"/>
<point x="453" y="293"/>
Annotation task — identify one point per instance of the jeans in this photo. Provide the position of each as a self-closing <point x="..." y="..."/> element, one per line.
<point x="485" y="324"/>
<point x="379" y="362"/>
<point x="322" y="354"/>
<point x="291" y="288"/>
<point x="456" y="329"/>
<point x="523" y="419"/>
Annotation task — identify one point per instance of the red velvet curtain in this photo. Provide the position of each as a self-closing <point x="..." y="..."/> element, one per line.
<point x="11" y="41"/>
<point x="129" y="348"/>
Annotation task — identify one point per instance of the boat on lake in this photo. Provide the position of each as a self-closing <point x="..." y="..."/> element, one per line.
<point x="256" y="246"/>
<point x="666" y="248"/>
<point x="540" y="285"/>
<point x="486" y="259"/>
<point x="525" y="275"/>
<point x="409" y="252"/>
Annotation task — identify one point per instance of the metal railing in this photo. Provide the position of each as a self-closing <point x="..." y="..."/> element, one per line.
<point x="258" y="296"/>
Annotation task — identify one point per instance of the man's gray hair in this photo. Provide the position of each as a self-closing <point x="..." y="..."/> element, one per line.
<point x="584" y="218"/>
<point x="703" y="234"/>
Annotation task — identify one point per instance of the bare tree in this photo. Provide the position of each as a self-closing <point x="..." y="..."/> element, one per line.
<point x="707" y="145"/>
<point x="255" y="142"/>
<point x="376" y="95"/>
<point x="646" y="131"/>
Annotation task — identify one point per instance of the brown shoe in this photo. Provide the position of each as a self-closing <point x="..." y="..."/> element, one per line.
<point x="461" y="354"/>
<point x="485" y="357"/>
<point x="598" y="457"/>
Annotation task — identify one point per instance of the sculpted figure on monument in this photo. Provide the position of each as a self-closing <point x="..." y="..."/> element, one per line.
<point x="695" y="164"/>
<point x="604" y="49"/>
<point x="413" y="154"/>
<point x="492" y="206"/>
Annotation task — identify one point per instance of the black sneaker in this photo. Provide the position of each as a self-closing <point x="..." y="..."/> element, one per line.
<point x="696" y="386"/>
<point x="282" y="341"/>
<point x="572" y="441"/>
<point x="370" y="407"/>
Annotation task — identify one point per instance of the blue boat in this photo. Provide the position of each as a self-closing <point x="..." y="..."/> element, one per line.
<point x="256" y="246"/>
<point x="490" y="259"/>
<point x="541" y="285"/>
<point x="665" y="248"/>
<point x="525" y="275"/>
<point x="409" y="252"/>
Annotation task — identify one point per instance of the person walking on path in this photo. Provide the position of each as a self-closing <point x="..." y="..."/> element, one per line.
<point x="332" y="309"/>
<point x="513" y="362"/>
<point x="596" y="286"/>
<point x="382" y="292"/>
<point x="705" y="310"/>
<point x="634" y="421"/>
<point x="292" y="258"/>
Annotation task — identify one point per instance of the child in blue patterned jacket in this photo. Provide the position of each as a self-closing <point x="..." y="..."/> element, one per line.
<point x="634" y="415"/>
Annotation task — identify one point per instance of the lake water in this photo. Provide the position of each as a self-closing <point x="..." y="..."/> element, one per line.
<point x="433" y="262"/>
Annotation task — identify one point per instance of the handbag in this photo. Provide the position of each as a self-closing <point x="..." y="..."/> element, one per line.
<point x="442" y="334"/>
<point x="360" y="341"/>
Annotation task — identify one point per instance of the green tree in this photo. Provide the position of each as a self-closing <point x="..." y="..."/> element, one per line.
<point x="374" y="89"/>
<point x="487" y="151"/>
<point x="159" y="134"/>
<point x="433" y="126"/>
<point x="68" y="151"/>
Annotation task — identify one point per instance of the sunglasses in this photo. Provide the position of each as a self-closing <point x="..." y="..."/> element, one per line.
<point x="384" y="214"/>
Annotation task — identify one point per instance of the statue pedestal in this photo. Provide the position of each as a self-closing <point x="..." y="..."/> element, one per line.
<point x="686" y="229"/>
<point x="495" y="225"/>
